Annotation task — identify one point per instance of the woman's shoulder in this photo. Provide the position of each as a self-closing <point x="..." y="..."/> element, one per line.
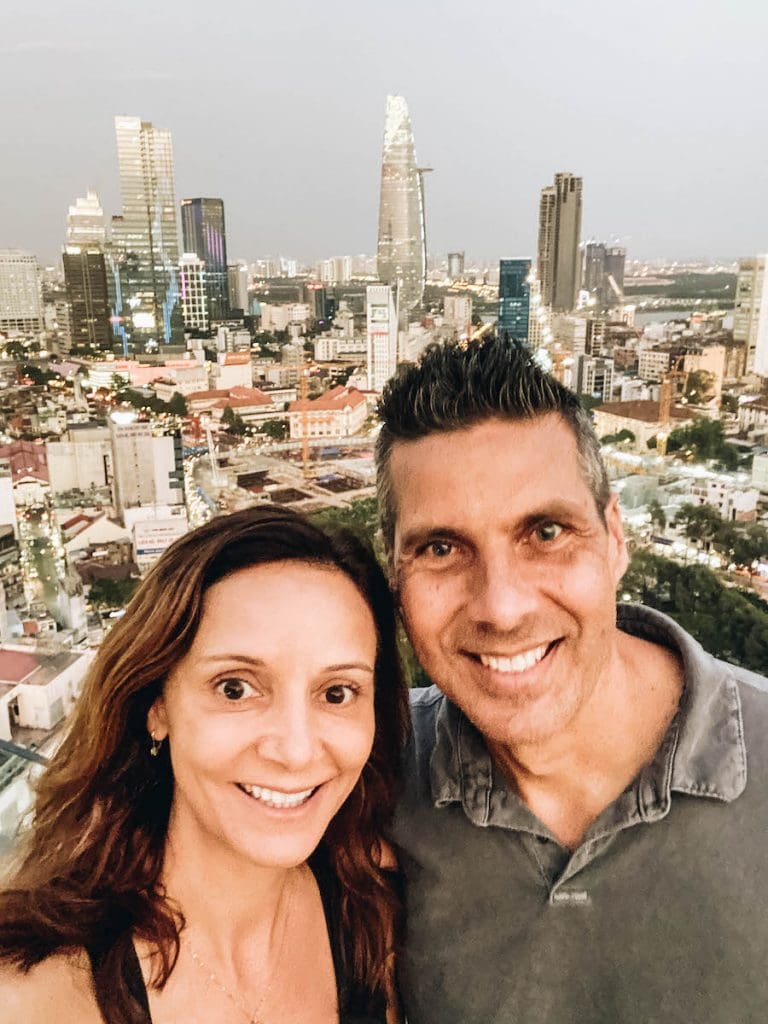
<point x="59" y="988"/>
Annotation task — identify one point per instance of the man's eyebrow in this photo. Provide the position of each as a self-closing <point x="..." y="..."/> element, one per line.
<point x="419" y="535"/>
<point x="559" y="508"/>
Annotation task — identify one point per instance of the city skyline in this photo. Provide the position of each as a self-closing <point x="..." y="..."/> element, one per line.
<point x="634" y="109"/>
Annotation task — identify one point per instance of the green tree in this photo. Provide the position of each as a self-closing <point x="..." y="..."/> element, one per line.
<point x="177" y="404"/>
<point x="700" y="523"/>
<point x="276" y="429"/>
<point x="730" y="623"/>
<point x="702" y="440"/>
<point x="729" y="403"/>
<point x="14" y="350"/>
<point x="112" y="593"/>
<point x="658" y="515"/>
<point x="700" y="386"/>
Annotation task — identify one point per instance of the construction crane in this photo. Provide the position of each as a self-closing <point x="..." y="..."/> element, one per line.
<point x="304" y="399"/>
<point x="667" y="393"/>
<point x="215" y="471"/>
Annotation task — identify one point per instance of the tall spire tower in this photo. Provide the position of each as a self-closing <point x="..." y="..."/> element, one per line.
<point x="402" y="249"/>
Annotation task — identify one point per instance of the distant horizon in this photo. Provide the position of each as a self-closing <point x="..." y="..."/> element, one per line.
<point x="280" y="112"/>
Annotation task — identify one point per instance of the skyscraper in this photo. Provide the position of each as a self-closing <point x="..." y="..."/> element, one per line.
<point x="145" y="238"/>
<point x="402" y="249"/>
<point x="86" y="227"/>
<point x="559" y="232"/>
<point x="455" y="265"/>
<point x="750" y="314"/>
<point x="20" y="305"/>
<point x="603" y="273"/>
<point x="194" y="292"/>
<point x="204" y="233"/>
<point x="85" y="276"/>
<point x="514" y="298"/>
<point x="381" y="334"/>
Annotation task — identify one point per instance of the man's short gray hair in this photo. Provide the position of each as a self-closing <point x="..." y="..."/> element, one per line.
<point x="457" y="385"/>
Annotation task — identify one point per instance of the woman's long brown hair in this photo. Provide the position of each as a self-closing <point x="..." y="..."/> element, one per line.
<point x="88" y="874"/>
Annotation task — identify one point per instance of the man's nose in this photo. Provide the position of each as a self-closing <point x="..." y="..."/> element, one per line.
<point x="503" y="592"/>
<point x="290" y="737"/>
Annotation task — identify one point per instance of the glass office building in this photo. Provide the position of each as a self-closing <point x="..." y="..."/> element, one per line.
<point x="145" y="239"/>
<point x="514" y="298"/>
<point x="204" y="234"/>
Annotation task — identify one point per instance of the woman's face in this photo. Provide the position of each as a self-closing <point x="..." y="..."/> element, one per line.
<point x="270" y="714"/>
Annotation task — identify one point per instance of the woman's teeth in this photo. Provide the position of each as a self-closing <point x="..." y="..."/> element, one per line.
<point x="274" y="798"/>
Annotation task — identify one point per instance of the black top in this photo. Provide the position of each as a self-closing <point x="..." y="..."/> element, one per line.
<point x="356" y="1005"/>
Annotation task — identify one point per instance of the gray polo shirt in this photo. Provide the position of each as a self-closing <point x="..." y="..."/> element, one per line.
<point x="660" y="915"/>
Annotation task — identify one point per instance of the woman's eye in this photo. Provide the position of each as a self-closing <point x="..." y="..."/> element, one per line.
<point x="339" y="693"/>
<point x="234" y="689"/>
<point x="548" y="532"/>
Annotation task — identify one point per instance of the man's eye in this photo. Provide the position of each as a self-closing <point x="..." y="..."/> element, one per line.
<point x="548" y="532"/>
<point x="340" y="693"/>
<point x="439" y="548"/>
<point x="234" y="689"/>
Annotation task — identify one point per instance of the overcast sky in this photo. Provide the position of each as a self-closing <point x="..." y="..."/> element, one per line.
<point x="278" y="108"/>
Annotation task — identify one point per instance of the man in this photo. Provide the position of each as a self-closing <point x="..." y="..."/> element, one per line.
<point x="584" y="824"/>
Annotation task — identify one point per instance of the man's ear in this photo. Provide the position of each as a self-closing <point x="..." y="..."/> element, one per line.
<point x="619" y="559"/>
<point x="157" y="720"/>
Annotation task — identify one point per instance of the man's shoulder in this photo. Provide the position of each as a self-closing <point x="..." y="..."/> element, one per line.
<point x="748" y="678"/>
<point x="426" y="703"/>
<point x="425" y="699"/>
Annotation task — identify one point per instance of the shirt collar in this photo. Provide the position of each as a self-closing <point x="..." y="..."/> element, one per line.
<point x="703" y="753"/>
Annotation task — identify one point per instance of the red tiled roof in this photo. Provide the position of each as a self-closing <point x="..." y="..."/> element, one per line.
<point x="646" y="411"/>
<point x="337" y="398"/>
<point x="16" y="665"/>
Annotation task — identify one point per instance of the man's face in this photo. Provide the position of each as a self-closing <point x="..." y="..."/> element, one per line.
<point x="506" y="572"/>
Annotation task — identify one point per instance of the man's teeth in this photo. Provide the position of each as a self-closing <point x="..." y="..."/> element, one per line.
<point x="274" y="798"/>
<point x="518" y="663"/>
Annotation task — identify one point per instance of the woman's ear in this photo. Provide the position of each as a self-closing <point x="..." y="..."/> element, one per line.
<point x="157" y="720"/>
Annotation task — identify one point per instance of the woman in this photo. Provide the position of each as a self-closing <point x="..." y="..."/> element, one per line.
<point x="206" y="843"/>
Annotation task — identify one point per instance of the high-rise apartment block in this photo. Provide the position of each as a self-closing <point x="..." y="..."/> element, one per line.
<point x="204" y="233"/>
<point x="146" y="470"/>
<point x="85" y="276"/>
<point x="381" y="334"/>
<point x="458" y="313"/>
<point x="750" y="315"/>
<point x="514" y="298"/>
<point x="559" y="234"/>
<point x="193" y="277"/>
<point x="402" y="247"/>
<point x="86" y="226"/>
<point x="145" y="237"/>
<point x="20" y="304"/>
<point x="594" y="377"/>
<point x="603" y="273"/>
<point x="237" y="276"/>
<point x="455" y="265"/>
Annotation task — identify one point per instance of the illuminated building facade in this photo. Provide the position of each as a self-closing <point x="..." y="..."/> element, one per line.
<point x="402" y="248"/>
<point x="20" y="304"/>
<point x="86" y="227"/>
<point x="193" y="278"/>
<point x="145" y="238"/>
<point x="204" y="233"/>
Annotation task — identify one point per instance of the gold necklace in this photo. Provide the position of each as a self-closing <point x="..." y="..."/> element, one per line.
<point x="253" y="1016"/>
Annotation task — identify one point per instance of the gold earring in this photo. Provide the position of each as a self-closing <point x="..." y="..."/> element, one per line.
<point x="154" y="747"/>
